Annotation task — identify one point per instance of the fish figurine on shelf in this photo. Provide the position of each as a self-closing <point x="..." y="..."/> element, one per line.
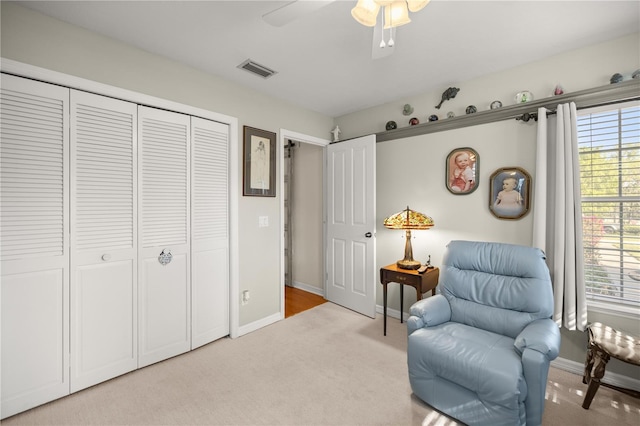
<point x="450" y="93"/>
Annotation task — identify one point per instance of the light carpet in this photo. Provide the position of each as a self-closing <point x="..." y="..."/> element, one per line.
<point x="325" y="366"/>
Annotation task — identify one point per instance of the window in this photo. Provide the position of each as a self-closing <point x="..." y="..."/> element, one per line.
<point x="609" y="153"/>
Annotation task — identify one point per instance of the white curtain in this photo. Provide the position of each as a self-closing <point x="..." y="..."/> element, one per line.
<point x="557" y="213"/>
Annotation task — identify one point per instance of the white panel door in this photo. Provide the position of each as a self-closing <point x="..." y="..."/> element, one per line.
<point x="164" y="296"/>
<point x="34" y="255"/>
<point x="209" y="231"/>
<point x="104" y="235"/>
<point x="351" y="275"/>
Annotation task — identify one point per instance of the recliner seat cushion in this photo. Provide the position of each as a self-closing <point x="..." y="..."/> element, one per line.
<point x="481" y="361"/>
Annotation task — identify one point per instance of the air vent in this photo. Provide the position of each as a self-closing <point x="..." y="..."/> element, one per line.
<point x="257" y="69"/>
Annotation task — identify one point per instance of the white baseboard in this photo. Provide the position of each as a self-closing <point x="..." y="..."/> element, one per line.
<point x="614" y="379"/>
<point x="308" y="288"/>
<point x="393" y="313"/>
<point x="256" y="325"/>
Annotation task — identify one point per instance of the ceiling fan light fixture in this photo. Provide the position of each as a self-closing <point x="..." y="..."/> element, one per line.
<point x="416" y="5"/>
<point x="396" y="14"/>
<point x="366" y="12"/>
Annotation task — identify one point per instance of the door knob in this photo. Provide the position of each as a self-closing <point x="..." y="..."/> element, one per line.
<point x="368" y="235"/>
<point x="165" y="257"/>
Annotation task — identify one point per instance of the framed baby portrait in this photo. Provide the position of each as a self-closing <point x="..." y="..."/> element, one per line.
<point x="462" y="170"/>
<point x="259" y="171"/>
<point x="509" y="194"/>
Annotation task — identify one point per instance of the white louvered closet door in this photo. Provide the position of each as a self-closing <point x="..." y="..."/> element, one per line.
<point x="34" y="222"/>
<point x="164" y="299"/>
<point x="209" y="231"/>
<point x="103" y="239"/>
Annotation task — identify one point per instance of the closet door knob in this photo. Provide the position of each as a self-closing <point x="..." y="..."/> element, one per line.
<point x="165" y="257"/>
<point x="368" y="235"/>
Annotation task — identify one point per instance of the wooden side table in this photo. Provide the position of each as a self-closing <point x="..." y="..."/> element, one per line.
<point x="424" y="282"/>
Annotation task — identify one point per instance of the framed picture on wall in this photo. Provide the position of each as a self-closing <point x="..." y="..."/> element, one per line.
<point x="509" y="194"/>
<point x="462" y="169"/>
<point x="259" y="166"/>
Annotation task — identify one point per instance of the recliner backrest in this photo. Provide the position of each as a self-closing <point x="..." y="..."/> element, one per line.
<point x="495" y="286"/>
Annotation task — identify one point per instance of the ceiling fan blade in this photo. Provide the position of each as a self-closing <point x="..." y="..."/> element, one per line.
<point x="292" y="11"/>
<point x="378" y="52"/>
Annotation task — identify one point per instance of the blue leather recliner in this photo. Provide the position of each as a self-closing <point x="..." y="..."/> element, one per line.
<point x="480" y="350"/>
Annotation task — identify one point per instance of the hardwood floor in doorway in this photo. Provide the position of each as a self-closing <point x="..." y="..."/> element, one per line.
<point x="296" y="301"/>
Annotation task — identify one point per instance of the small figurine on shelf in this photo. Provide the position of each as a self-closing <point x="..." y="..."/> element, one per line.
<point x="524" y="96"/>
<point x="558" y="90"/>
<point x="433" y="117"/>
<point x="391" y="125"/>
<point x="616" y="78"/>
<point x="407" y="109"/>
<point x="450" y="93"/>
<point x="414" y="121"/>
<point x="336" y="134"/>
<point x="471" y="109"/>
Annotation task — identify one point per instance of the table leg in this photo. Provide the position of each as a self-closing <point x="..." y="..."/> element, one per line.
<point x="401" y="302"/>
<point x="384" y="303"/>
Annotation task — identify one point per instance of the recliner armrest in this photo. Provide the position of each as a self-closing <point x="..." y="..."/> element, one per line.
<point x="428" y="312"/>
<point x="542" y="336"/>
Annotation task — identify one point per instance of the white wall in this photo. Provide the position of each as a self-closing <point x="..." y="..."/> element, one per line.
<point x="575" y="70"/>
<point x="32" y="38"/>
<point x="307" y="218"/>
<point x="411" y="171"/>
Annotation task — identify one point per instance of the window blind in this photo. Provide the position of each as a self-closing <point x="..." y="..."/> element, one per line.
<point x="609" y="153"/>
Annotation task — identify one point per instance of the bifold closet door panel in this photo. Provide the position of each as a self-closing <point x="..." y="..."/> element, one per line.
<point x="104" y="238"/>
<point x="34" y="255"/>
<point x="209" y="231"/>
<point x="164" y="293"/>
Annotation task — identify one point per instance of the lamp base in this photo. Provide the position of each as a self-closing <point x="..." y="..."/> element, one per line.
<point x="408" y="264"/>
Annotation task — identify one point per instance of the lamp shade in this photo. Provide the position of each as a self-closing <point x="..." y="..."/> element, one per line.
<point x="416" y="5"/>
<point x="366" y="12"/>
<point x="408" y="219"/>
<point x="396" y="15"/>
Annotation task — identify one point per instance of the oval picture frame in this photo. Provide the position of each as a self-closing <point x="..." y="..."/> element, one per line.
<point x="509" y="193"/>
<point x="461" y="176"/>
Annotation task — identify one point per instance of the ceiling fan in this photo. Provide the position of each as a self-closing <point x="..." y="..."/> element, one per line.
<point x="394" y="13"/>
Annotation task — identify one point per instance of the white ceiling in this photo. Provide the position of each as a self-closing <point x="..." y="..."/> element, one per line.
<point x="323" y="58"/>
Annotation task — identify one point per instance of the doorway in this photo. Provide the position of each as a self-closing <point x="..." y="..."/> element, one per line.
<point x="303" y="225"/>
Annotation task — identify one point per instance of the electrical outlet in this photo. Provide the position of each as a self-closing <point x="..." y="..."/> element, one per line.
<point x="245" y="297"/>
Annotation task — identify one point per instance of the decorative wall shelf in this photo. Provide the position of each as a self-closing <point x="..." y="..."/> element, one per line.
<point x="611" y="93"/>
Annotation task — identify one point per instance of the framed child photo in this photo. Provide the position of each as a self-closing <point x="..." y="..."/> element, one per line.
<point x="259" y="166"/>
<point x="509" y="194"/>
<point x="462" y="169"/>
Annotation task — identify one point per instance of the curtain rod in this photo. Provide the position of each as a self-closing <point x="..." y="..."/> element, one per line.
<point x="603" y="95"/>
